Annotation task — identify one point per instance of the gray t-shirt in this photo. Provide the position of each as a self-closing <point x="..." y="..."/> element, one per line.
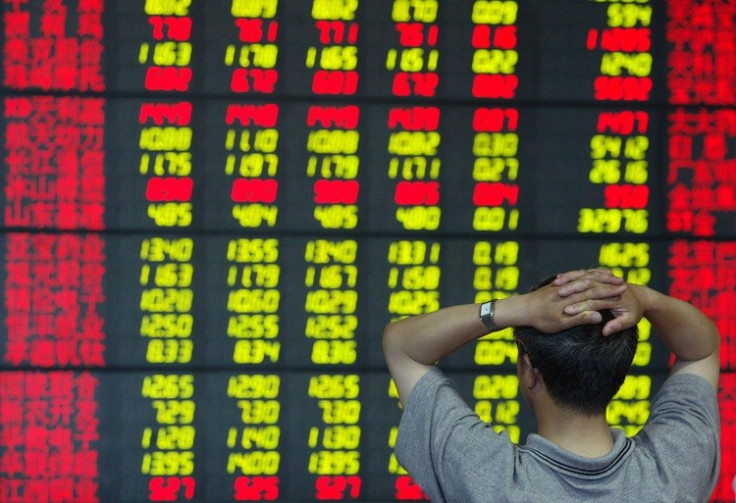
<point x="455" y="457"/>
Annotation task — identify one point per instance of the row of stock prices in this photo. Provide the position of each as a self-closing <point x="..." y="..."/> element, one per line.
<point x="212" y="209"/>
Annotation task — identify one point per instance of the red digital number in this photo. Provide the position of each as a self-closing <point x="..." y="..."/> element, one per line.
<point x="169" y="488"/>
<point x="256" y="488"/>
<point x="335" y="488"/>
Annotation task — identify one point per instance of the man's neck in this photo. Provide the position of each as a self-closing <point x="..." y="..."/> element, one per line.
<point x="587" y="436"/>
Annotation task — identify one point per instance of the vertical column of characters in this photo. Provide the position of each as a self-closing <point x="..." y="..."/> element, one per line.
<point x="54" y="155"/>
<point x="333" y="139"/>
<point x="413" y="282"/>
<point x="253" y="444"/>
<point x="335" y="457"/>
<point x="336" y="58"/>
<point x="166" y="262"/>
<point x="332" y="144"/>
<point x="620" y="166"/>
<point x="701" y="185"/>
<point x="619" y="149"/>
<point x="255" y="165"/>
<point x="414" y="140"/>
<point x="415" y="60"/>
<point x="331" y="302"/>
<point x="496" y="276"/>
<point x="50" y="431"/>
<point x="413" y="145"/>
<point x="256" y="57"/>
<point x="494" y="55"/>
<point x="167" y="322"/>
<point x="253" y="305"/>
<point x="252" y="137"/>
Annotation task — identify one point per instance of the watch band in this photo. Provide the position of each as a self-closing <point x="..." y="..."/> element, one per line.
<point x="487" y="311"/>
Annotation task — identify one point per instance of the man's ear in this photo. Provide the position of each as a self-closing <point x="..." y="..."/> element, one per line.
<point x="529" y="374"/>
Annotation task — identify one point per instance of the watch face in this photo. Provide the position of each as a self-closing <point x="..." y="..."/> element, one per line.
<point x="485" y="309"/>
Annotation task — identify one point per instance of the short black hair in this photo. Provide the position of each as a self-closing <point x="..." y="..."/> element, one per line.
<point x="582" y="369"/>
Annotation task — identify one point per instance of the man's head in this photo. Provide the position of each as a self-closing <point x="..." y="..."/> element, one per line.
<point x="582" y="369"/>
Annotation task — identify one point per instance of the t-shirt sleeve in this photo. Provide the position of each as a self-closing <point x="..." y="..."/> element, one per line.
<point x="443" y="444"/>
<point x="683" y="436"/>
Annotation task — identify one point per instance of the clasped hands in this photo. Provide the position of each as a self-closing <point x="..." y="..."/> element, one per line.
<point x="576" y="298"/>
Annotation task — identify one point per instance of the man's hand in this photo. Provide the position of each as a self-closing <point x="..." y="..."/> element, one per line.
<point x="628" y="307"/>
<point x="572" y="299"/>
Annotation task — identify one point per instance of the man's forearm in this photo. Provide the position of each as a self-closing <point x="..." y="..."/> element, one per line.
<point x="684" y="329"/>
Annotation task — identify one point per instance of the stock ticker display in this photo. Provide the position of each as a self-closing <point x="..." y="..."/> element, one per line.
<point x="211" y="209"/>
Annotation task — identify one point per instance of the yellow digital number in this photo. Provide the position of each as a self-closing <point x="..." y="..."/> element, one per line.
<point x="506" y="253"/>
<point x="414" y="168"/>
<point x="331" y="327"/>
<point x="334" y="462"/>
<point x="157" y="138"/>
<point x="331" y="352"/>
<point x="422" y="11"/>
<point x="263" y="140"/>
<point x="254" y="275"/>
<point x="337" y="216"/>
<point x="333" y="141"/>
<point x="167" y="325"/>
<point x="169" y="437"/>
<point x="496" y="144"/>
<point x="252" y="165"/>
<point x="610" y="220"/>
<point x="636" y="64"/>
<point x="334" y="386"/>
<point x="636" y="172"/>
<point x="255" y="215"/>
<point x="166" y="163"/>
<point x="495" y="61"/>
<point x="340" y="411"/>
<point x="253" y="326"/>
<point x="335" y="437"/>
<point x="261" y="437"/>
<point x="256" y="351"/>
<point x="495" y="219"/>
<point x="174" y="411"/>
<point x="331" y="301"/>
<point x="253" y="250"/>
<point x="413" y="252"/>
<point x="253" y="386"/>
<point x="606" y="171"/>
<point x="166" y="300"/>
<point x="168" y="463"/>
<point x="334" y="57"/>
<point x="419" y="217"/>
<point x="624" y="255"/>
<point x="643" y="354"/>
<point x="168" y="275"/>
<point x="170" y="214"/>
<point x="628" y="15"/>
<point x="322" y="251"/>
<point x="414" y="143"/>
<point x="168" y="386"/>
<point x="493" y="169"/>
<point x="254" y="8"/>
<point x="168" y="54"/>
<point x="332" y="276"/>
<point x="334" y="166"/>
<point x="494" y="12"/>
<point x="605" y="146"/>
<point x="167" y="7"/>
<point x="334" y="9"/>
<point x="253" y="301"/>
<point x="159" y="249"/>
<point x="254" y="462"/>
<point x="259" y="411"/>
<point x="169" y="351"/>
<point x="415" y="278"/>
<point x="255" y="55"/>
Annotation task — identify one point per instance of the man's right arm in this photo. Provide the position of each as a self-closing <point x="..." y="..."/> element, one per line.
<point x="683" y="328"/>
<point x="686" y="331"/>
